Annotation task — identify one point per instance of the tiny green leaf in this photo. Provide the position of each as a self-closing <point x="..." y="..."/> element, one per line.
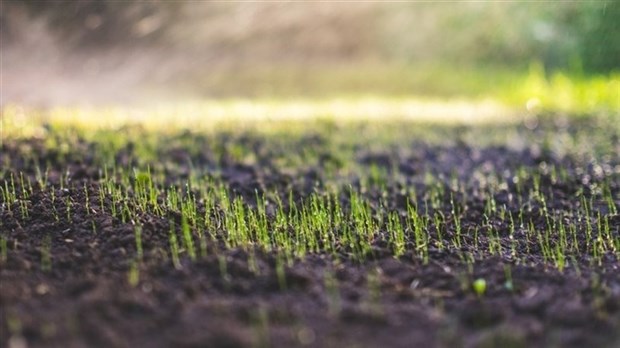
<point x="480" y="286"/>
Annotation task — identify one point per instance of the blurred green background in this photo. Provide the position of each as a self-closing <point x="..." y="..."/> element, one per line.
<point x="512" y="51"/>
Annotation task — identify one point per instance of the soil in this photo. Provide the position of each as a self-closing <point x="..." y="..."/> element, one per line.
<point x="81" y="295"/>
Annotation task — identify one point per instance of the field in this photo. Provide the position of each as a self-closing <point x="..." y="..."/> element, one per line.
<point x="310" y="231"/>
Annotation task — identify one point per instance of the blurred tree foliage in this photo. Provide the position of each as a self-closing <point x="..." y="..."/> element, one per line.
<point x="587" y="36"/>
<point x="90" y="23"/>
<point x="576" y="36"/>
<point x="600" y="40"/>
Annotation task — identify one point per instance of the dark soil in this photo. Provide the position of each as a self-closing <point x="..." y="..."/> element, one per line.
<point x="80" y="295"/>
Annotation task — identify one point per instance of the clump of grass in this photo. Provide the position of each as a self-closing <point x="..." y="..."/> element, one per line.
<point x="397" y="234"/>
<point x="419" y="226"/>
<point x="8" y="194"/>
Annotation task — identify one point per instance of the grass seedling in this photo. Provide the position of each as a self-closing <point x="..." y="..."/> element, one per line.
<point x="133" y="275"/>
<point x="281" y="272"/>
<point x="23" y="205"/>
<point x="373" y="283"/>
<point x="360" y="215"/>
<point x="396" y="233"/>
<point x="333" y="293"/>
<point x="208" y="225"/>
<point x="230" y="218"/>
<point x="608" y="196"/>
<point x="101" y="199"/>
<point x="46" y="254"/>
<point x="261" y="323"/>
<point x="543" y="243"/>
<point x="189" y="208"/>
<point x="490" y="206"/>
<point x="188" y="239"/>
<point x="114" y="194"/>
<point x="86" y="200"/>
<point x="493" y="238"/>
<point x="419" y="226"/>
<point x="476" y="240"/>
<point x="252" y="262"/>
<point x="65" y="180"/>
<point x="126" y="213"/>
<point x="604" y="233"/>
<point x="586" y="213"/>
<point x="262" y="235"/>
<point x="240" y="234"/>
<point x="26" y="186"/>
<point x="12" y="192"/>
<point x="202" y="245"/>
<point x="468" y="259"/>
<point x="138" y="237"/>
<point x="3" y="249"/>
<point x="54" y="211"/>
<point x="223" y="266"/>
<point x="310" y="223"/>
<point x="174" y="247"/>
<point x="144" y="190"/>
<point x="378" y="175"/>
<point x="41" y="179"/>
<point x="457" y="224"/>
<point x="280" y="228"/>
<point x="559" y="258"/>
<point x="172" y="199"/>
<point x="327" y="225"/>
<point x="256" y="236"/>
<point x="508" y="284"/>
<point x="511" y="237"/>
<point x="7" y="198"/>
<point x="15" y="326"/>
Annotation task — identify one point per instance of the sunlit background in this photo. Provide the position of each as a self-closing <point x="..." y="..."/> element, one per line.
<point x="435" y="60"/>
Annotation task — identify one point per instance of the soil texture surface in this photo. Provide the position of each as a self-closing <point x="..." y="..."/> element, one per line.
<point x="319" y="239"/>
